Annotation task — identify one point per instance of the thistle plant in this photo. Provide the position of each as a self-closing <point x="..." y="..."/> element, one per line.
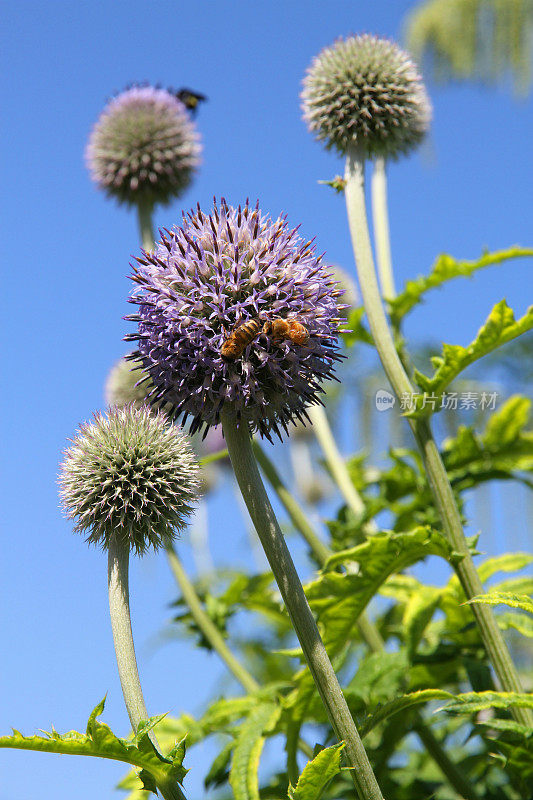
<point x="129" y="481"/>
<point x="143" y="150"/>
<point x="361" y="126"/>
<point x="201" y="283"/>
<point x="126" y="383"/>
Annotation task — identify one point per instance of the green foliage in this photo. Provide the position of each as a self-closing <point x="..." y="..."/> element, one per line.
<point x="474" y="702"/>
<point x="444" y="269"/>
<point x="339" y="598"/>
<point x="317" y="774"/>
<point x="250" y="740"/>
<point x="100" y="741"/>
<point x="473" y="39"/>
<point x="522" y="601"/>
<point x="500" y="327"/>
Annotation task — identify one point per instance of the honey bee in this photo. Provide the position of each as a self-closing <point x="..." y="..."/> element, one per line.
<point x="242" y="336"/>
<point x="291" y="329"/>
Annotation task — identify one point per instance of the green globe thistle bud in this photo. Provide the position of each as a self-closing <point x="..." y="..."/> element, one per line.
<point x="144" y="147"/>
<point x="131" y="475"/>
<point x="365" y="92"/>
<point x="122" y="385"/>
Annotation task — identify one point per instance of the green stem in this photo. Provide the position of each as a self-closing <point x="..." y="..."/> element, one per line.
<point x="119" y="610"/>
<point x="334" y="460"/>
<point x="281" y="563"/>
<point x="367" y="629"/>
<point x="206" y="625"/>
<point x="144" y="213"/>
<point x="434" y="467"/>
<point x="380" y="218"/>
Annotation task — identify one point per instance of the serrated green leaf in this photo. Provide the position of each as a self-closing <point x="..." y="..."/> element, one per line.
<point x="518" y="622"/>
<point x="507" y="726"/>
<point x="504" y="426"/>
<point x="507" y="562"/>
<point x="444" y="269"/>
<point x="338" y="599"/>
<point x="248" y="747"/>
<point x="101" y="742"/>
<point x="473" y="702"/>
<point x="521" y="601"/>
<point x="317" y="774"/>
<point x="401" y="704"/>
<point x="499" y="328"/>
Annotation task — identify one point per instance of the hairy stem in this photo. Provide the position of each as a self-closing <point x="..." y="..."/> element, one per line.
<point x="206" y="625"/>
<point x="119" y="609"/>
<point x="281" y="563"/>
<point x="380" y="218"/>
<point x="146" y="229"/>
<point x="434" y="467"/>
<point x="367" y="628"/>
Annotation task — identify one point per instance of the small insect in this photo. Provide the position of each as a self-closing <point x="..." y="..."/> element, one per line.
<point x="242" y="336"/>
<point x="291" y="329"/>
<point x="189" y="98"/>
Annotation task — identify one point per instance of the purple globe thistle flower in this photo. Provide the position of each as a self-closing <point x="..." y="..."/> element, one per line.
<point x="144" y="147"/>
<point x="209" y="277"/>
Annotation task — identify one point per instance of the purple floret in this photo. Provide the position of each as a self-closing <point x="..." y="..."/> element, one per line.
<point x="208" y="277"/>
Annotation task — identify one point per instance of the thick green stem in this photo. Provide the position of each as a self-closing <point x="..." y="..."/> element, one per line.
<point x="434" y="467"/>
<point x="277" y="553"/>
<point x="119" y="610"/>
<point x="367" y="629"/>
<point x="146" y="229"/>
<point x="380" y="218"/>
<point x="208" y="628"/>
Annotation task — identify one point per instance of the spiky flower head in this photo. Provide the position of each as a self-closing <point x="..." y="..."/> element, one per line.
<point x="144" y="147"/>
<point x="127" y="383"/>
<point x="201" y="284"/>
<point x="131" y="475"/>
<point x="365" y="91"/>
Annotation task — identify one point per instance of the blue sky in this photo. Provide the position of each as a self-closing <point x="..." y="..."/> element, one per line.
<point x="67" y="251"/>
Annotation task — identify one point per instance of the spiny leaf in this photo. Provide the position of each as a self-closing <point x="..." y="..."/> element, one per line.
<point x="472" y="702"/>
<point x="338" y="599"/>
<point x="401" y="704"/>
<point x="522" y="601"/>
<point x="499" y="328"/>
<point x="317" y="774"/>
<point x="506" y="424"/>
<point x="245" y="763"/>
<point x="218" y="771"/>
<point x="444" y="269"/>
<point x="99" y="741"/>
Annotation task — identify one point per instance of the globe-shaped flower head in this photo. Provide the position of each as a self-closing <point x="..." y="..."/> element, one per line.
<point x="127" y="383"/>
<point x="131" y="475"/>
<point x="236" y="313"/>
<point x="365" y="91"/>
<point x="144" y="147"/>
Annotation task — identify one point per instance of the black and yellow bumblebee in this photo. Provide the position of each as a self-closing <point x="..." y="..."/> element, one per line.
<point x="190" y="99"/>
